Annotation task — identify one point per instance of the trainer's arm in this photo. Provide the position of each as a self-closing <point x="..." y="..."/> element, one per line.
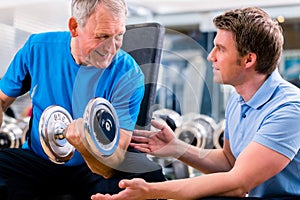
<point x="243" y="177"/>
<point x="162" y="142"/>
<point x="207" y="160"/>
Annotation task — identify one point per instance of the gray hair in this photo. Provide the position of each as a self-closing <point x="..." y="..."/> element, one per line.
<point x="82" y="9"/>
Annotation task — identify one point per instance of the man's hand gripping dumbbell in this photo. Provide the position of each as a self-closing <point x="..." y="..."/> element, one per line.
<point x="95" y="136"/>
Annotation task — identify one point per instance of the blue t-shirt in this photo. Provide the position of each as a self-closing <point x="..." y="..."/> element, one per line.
<point x="271" y="118"/>
<point x="57" y="80"/>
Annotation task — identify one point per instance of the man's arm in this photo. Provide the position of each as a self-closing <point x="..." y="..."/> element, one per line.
<point x="105" y="166"/>
<point x="5" y="102"/>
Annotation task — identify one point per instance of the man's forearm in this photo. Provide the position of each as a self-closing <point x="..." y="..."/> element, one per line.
<point x="104" y="166"/>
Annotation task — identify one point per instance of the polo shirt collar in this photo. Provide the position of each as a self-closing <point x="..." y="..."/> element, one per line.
<point x="264" y="93"/>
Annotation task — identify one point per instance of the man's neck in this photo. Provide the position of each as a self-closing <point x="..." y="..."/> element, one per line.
<point x="250" y="86"/>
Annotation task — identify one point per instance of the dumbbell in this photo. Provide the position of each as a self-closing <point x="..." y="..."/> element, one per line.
<point x="100" y="125"/>
<point x="219" y="135"/>
<point x="168" y="117"/>
<point x="12" y="132"/>
<point x="10" y="136"/>
<point x="197" y="130"/>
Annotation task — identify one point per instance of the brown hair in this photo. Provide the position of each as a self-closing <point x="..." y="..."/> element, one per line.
<point x="254" y="31"/>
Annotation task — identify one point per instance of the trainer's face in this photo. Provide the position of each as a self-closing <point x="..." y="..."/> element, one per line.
<point x="100" y="39"/>
<point x="227" y="64"/>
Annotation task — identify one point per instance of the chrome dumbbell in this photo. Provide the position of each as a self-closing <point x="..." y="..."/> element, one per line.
<point x="13" y="132"/>
<point x="219" y="135"/>
<point x="100" y="125"/>
<point x="168" y="117"/>
<point x="197" y="130"/>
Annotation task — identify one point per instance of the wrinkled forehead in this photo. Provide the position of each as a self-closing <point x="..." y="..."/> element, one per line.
<point x="103" y="20"/>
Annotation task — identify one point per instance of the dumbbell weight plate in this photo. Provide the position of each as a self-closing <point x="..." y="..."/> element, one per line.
<point x="8" y="139"/>
<point x="192" y="133"/>
<point x="17" y="128"/>
<point x="167" y="116"/>
<point x="219" y="135"/>
<point x="101" y="125"/>
<point x="53" y="122"/>
<point x="10" y="134"/>
<point x="197" y="129"/>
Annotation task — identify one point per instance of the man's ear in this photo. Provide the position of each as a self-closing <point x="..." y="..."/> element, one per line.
<point x="73" y="26"/>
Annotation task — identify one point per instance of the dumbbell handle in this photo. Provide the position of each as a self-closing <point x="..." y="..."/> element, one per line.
<point x="100" y="124"/>
<point x="60" y="134"/>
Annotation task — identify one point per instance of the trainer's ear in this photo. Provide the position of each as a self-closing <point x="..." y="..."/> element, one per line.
<point x="73" y="25"/>
<point x="250" y="59"/>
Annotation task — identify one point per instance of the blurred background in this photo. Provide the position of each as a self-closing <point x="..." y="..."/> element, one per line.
<point x="186" y="99"/>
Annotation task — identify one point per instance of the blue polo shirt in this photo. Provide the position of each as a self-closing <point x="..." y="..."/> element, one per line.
<point x="56" y="79"/>
<point x="271" y="118"/>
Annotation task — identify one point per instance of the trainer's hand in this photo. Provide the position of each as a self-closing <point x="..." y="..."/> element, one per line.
<point x="135" y="189"/>
<point x="158" y="143"/>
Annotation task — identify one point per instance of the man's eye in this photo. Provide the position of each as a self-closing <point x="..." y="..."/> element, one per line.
<point x="103" y="37"/>
<point x="120" y="36"/>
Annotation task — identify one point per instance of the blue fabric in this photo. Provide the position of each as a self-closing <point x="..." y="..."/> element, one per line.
<point x="271" y="118"/>
<point x="57" y="80"/>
